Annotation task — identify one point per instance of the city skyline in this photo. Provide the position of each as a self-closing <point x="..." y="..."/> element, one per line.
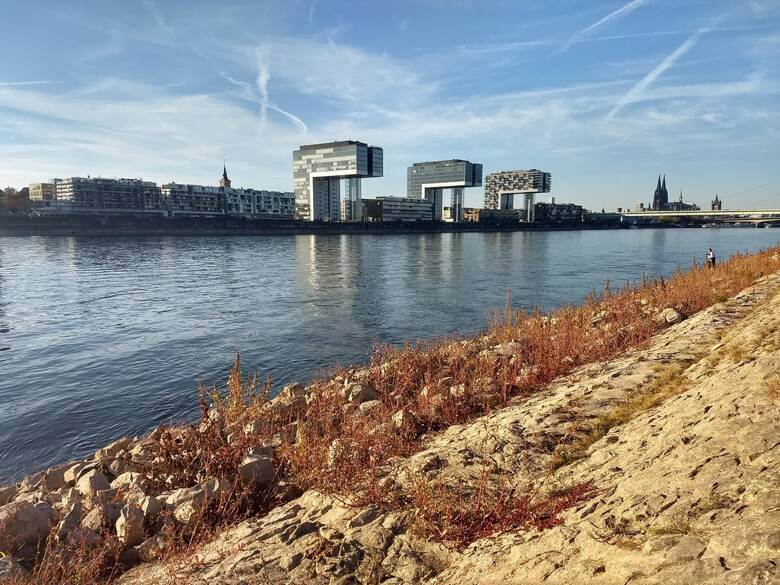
<point x="605" y="97"/>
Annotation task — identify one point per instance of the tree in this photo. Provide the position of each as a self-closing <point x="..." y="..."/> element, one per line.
<point x="14" y="200"/>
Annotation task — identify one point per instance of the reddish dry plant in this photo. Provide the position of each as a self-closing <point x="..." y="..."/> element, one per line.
<point x="454" y="381"/>
<point x="462" y="514"/>
<point x="77" y="562"/>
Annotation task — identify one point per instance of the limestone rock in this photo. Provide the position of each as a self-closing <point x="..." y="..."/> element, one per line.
<point x="23" y="525"/>
<point x="126" y="480"/>
<point x="369" y="405"/>
<point x="70" y="521"/>
<point x="670" y="316"/>
<point x="91" y="482"/>
<point x="54" y="478"/>
<point x="112" y="450"/>
<point x="130" y="526"/>
<point x="7" y="494"/>
<point x="119" y="466"/>
<point x="359" y="393"/>
<point x="102" y="516"/>
<point x="149" y="505"/>
<point x="73" y="472"/>
<point x="258" y="470"/>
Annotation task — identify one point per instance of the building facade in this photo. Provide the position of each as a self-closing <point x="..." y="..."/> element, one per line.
<point x="102" y="194"/>
<point x="715" y="205"/>
<point x="259" y="203"/>
<point x="502" y="186"/>
<point x="193" y="199"/>
<point x="43" y="194"/>
<point x="427" y="180"/>
<point x="318" y="170"/>
<point x="397" y="209"/>
<point x="681" y="205"/>
<point x="559" y="213"/>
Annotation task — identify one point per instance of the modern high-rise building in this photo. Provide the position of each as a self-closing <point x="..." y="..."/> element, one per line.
<point x="317" y="173"/>
<point x="502" y="186"/>
<point x="427" y="180"/>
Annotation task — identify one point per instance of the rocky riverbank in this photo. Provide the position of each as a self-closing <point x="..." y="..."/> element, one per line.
<point x="659" y="465"/>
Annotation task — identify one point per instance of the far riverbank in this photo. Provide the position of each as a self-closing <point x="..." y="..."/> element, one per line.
<point x="128" y="225"/>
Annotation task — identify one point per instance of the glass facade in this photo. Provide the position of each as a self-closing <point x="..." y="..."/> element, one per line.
<point x="428" y="180"/>
<point x="317" y="169"/>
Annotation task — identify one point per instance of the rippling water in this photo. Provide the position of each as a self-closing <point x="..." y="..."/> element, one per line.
<point x="102" y="337"/>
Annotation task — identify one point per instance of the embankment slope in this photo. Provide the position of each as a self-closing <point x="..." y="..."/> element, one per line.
<point x="679" y="440"/>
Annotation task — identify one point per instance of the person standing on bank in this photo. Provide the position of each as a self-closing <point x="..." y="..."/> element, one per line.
<point x="710" y="258"/>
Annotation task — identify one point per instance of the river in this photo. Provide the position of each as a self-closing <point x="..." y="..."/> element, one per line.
<point x="103" y="337"/>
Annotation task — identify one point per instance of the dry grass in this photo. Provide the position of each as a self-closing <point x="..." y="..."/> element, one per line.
<point x="772" y="388"/>
<point x="670" y="381"/>
<point x="461" y="514"/>
<point x="76" y="562"/>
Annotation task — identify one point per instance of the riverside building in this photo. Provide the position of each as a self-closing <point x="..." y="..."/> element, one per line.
<point x="99" y="195"/>
<point x="318" y="170"/>
<point x="260" y="203"/>
<point x="193" y="200"/>
<point x="427" y="180"/>
<point x="43" y="194"/>
<point x="109" y="195"/>
<point x="559" y="213"/>
<point x="397" y="209"/>
<point x="502" y="186"/>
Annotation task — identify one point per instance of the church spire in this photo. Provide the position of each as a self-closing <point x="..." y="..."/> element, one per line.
<point x="224" y="182"/>
<point x="658" y="188"/>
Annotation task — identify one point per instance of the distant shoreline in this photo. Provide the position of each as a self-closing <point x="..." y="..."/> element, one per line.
<point x="118" y="225"/>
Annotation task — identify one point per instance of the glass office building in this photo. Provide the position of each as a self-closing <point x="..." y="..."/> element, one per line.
<point x="318" y="170"/>
<point x="427" y="180"/>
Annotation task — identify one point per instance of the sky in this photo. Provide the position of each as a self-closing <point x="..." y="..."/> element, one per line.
<point x="605" y="95"/>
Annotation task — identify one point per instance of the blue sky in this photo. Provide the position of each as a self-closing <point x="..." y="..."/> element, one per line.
<point x="605" y="95"/>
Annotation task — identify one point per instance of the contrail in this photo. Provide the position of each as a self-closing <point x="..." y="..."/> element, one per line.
<point x="16" y="83"/>
<point x="633" y="94"/>
<point x="263" y="76"/>
<point x="248" y="93"/>
<point x="630" y="7"/>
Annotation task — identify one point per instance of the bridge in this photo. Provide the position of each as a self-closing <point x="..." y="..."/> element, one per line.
<point x="735" y="215"/>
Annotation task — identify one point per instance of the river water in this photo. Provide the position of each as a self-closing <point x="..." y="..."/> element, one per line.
<point x="103" y="337"/>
